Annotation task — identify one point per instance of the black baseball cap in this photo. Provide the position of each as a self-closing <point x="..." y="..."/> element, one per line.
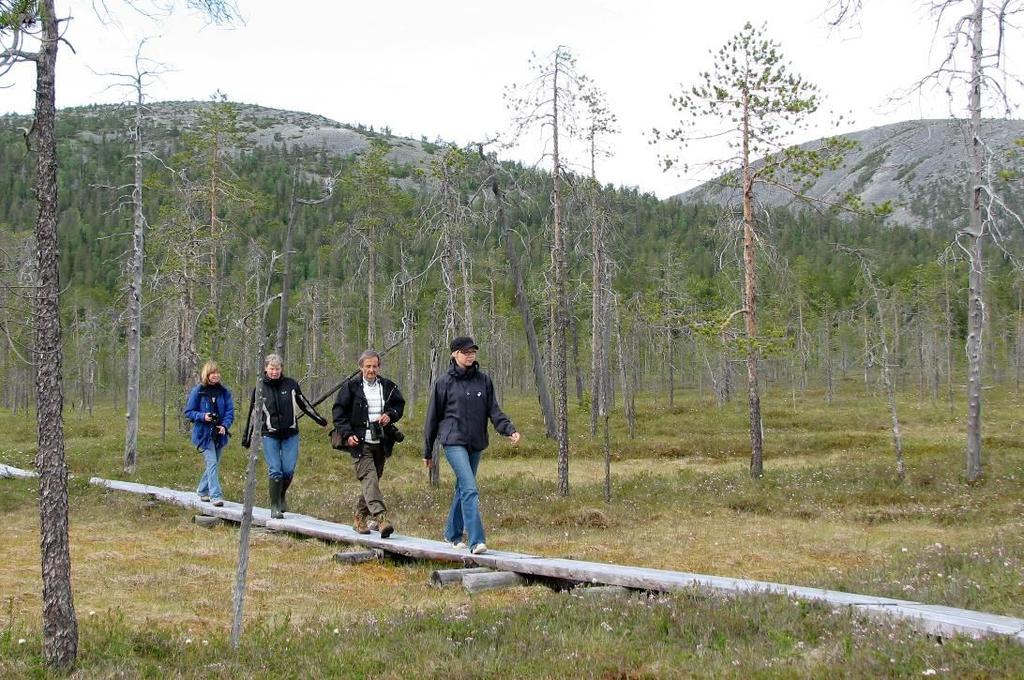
<point x="462" y="343"/>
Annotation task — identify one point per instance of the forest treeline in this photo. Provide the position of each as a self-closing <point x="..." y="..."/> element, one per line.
<point x="424" y="240"/>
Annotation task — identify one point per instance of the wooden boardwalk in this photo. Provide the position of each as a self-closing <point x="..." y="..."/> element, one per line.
<point x="931" y="619"/>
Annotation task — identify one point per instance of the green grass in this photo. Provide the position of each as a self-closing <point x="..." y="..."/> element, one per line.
<point x="829" y="512"/>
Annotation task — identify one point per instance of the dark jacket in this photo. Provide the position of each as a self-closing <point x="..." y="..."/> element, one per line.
<point x="282" y="401"/>
<point x="350" y="411"/>
<point x="205" y="399"/>
<point x="461" y="402"/>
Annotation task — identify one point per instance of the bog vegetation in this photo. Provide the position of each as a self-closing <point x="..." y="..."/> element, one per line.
<point x="153" y="591"/>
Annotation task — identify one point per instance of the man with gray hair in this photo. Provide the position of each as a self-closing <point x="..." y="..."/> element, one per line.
<point x="365" y="412"/>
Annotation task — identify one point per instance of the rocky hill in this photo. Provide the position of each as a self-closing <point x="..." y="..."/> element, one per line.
<point x="920" y="166"/>
<point x="264" y="127"/>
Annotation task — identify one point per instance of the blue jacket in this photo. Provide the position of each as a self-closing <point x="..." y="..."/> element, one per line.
<point x="210" y="399"/>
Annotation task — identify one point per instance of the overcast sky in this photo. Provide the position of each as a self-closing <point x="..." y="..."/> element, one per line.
<point x="438" y="68"/>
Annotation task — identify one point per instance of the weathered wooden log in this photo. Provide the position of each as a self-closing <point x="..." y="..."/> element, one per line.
<point x="477" y="583"/>
<point x="358" y="556"/>
<point x="206" y="521"/>
<point x="447" y="577"/>
<point x="604" y="591"/>
<point x="17" y="473"/>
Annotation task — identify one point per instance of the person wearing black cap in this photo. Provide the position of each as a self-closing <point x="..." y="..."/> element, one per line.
<point x="461" y="402"/>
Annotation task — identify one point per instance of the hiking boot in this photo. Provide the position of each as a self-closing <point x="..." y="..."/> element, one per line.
<point x="479" y="549"/>
<point x="359" y="524"/>
<point x="219" y="502"/>
<point x="383" y="525"/>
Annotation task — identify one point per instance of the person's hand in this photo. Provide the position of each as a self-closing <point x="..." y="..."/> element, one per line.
<point x="207" y="417"/>
<point x="515" y="437"/>
<point x="352" y="440"/>
<point x="384" y="419"/>
<point x="221" y="430"/>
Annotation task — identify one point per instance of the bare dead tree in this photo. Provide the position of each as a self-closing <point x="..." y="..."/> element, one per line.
<point x="964" y="25"/>
<point x="549" y="101"/>
<point x="496" y="181"/>
<point x="295" y="205"/>
<point x="886" y="359"/>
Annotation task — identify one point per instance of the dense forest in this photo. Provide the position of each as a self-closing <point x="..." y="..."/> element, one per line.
<point x="423" y="238"/>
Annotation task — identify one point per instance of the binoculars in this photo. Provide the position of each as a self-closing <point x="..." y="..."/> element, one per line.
<point x="389" y="431"/>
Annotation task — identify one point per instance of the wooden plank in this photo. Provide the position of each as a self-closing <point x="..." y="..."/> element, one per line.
<point x="949" y="621"/>
<point x="935" y="619"/>
<point x="188" y="499"/>
<point x="9" y="472"/>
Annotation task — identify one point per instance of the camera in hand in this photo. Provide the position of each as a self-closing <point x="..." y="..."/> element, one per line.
<point x="393" y="433"/>
<point x="214" y="420"/>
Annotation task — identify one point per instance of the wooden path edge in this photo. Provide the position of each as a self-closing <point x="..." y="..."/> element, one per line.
<point x="932" y="619"/>
<point x="17" y="473"/>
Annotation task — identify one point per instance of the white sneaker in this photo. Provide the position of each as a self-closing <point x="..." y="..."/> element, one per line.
<point x="479" y="549"/>
<point x="458" y="545"/>
<point x="205" y="499"/>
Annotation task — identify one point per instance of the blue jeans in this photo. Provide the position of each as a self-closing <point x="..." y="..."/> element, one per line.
<point x="465" y="511"/>
<point x="209" y="483"/>
<point x="281" y="456"/>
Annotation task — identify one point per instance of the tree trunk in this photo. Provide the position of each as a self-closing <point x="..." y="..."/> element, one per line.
<point x="371" y="316"/>
<point x="597" y="311"/>
<point x="750" y="303"/>
<point x="281" y="343"/>
<point x="60" y="625"/>
<point x="523" y="302"/>
<point x="559" y="363"/>
<point x="975" y="306"/>
<point x="629" y="405"/>
<point x="249" y="494"/>
<point x="131" y="437"/>
<point x="467" y="291"/>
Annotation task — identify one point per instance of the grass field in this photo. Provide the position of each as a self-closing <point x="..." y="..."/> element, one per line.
<point x="153" y="592"/>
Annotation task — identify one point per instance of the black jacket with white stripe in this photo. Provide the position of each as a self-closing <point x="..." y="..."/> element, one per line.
<point x="282" y="400"/>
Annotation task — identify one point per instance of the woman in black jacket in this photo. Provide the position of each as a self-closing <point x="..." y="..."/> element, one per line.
<point x="279" y="426"/>
<point x="461" y="402"/>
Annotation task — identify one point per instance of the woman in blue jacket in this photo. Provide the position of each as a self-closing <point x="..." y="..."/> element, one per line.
<point x="461" y="402"/>
<point x="211" y="410"/>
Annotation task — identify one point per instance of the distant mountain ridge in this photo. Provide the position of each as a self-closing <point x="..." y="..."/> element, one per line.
<point x="264" y="127"/>
<point x="920" y="166"/>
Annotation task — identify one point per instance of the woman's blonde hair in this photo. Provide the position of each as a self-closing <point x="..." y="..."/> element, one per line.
<point x="208" y="368"/>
